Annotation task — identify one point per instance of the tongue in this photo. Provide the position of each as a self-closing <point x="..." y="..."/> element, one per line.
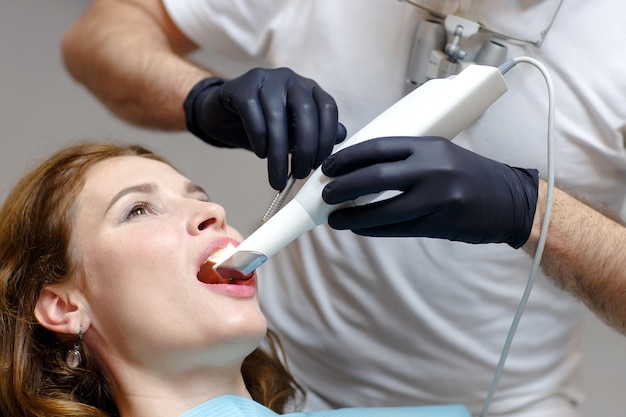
<point x="209" y="276"/>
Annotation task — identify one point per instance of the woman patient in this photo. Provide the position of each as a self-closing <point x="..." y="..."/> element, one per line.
<point x="108" y="306"/>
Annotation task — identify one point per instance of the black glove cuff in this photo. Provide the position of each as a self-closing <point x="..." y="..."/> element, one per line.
<point x="194" y="100"/>
<point x="528" y="205"/>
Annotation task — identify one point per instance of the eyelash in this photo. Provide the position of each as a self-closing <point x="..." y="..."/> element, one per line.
<point x="131" y="213"/>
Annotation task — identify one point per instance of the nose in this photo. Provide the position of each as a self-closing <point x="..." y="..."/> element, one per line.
<point x="208" y="216"/>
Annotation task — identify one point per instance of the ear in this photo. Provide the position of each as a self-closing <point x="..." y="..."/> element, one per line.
<point x="60" y="311"/>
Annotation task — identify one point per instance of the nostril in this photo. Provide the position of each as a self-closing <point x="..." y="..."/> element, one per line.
<point x="206" y="224"/>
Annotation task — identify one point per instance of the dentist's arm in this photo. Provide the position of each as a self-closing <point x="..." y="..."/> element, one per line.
<point x="584" y="254"/>
<point x="452" y="193"/>
<point x="132" y="57"/>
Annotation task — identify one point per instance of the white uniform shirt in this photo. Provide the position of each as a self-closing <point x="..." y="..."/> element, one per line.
<point x="407" y="321"/>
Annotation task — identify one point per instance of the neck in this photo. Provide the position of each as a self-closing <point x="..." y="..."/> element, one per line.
<point x="143" y="394"/>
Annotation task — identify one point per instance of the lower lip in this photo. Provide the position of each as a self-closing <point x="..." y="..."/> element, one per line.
<point x="247" y="290"/>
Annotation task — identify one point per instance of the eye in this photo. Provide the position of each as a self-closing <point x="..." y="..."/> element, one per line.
<point x="201" y="196"/>
<point x="137" y="209"/>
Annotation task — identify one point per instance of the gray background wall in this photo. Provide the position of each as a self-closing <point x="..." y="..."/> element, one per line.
<point x="41" y="108"/>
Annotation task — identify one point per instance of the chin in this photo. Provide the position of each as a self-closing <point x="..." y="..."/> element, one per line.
<point x="248" y="343"/>
<point x="248" y="326"/>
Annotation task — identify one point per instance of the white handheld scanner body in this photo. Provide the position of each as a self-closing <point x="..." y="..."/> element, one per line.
<point x="440" y="107"/>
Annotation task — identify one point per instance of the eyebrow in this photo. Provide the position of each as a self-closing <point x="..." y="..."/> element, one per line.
<point x="191" y="188"/>
<point x="149" y="188"/>
<point x="146" y="188"/>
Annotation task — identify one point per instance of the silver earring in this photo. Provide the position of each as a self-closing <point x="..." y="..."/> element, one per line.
<point x="73" y="356"/>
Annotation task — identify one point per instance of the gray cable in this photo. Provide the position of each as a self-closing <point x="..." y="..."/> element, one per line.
<point x="544" y="227"/>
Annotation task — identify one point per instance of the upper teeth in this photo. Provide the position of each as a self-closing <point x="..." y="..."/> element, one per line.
<point x="221" y="253"/>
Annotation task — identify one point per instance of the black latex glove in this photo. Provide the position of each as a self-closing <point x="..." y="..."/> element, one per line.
<point x="272" y="112"/>
<point x="448" y="192"/>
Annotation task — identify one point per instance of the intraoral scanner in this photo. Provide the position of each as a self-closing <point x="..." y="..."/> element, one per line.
<point x="439" y="107"/>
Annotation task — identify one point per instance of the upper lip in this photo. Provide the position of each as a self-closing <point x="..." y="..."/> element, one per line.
<point x="213" y="247"/>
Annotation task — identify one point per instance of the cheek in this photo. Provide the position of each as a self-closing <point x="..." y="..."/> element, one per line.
<point x="121" y="276"/>
<point x="127" y="263"/>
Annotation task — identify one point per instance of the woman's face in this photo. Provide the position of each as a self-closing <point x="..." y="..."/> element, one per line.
<point x="142" y="232"/>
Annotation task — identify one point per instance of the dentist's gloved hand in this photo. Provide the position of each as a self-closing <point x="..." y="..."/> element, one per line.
<point x="272" y="112"/>
<point x="448" y="192"/>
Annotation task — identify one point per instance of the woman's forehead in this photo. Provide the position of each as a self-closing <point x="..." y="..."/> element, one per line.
<point x="123" y="171"/>
<point x="110" y="177"/>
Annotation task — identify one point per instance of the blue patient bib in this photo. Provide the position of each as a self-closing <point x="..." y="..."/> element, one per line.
<point x="235" y="406"/>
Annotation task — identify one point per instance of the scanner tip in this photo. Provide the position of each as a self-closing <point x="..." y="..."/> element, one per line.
<point x="240" y="265"/>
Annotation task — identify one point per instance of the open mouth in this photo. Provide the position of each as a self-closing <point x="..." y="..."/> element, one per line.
<point x="208" y="275"/>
